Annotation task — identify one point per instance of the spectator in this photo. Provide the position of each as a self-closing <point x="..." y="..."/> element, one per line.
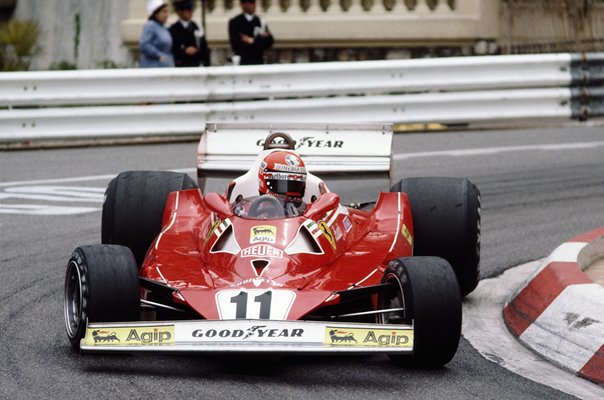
<point x="156" y="42"/>
<point x="249" y="35"/>
<point x="189" y="46"/>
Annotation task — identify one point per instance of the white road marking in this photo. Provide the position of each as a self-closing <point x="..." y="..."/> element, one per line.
<point x="66" y="194"/>
<point x="497" y="150"/>
<point x="484" y="328"/>
<point x="79" y="178"/>
<point x="35" y="190"/>
<point x="58" y="180"/>
<point x="43" y="209"/>
<point x="54" y="193"/>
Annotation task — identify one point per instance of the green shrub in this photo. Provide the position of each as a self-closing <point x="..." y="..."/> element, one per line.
<point x="62" y="65"/>
<point x="18" y="44"/>
<point x="108" y="64"/>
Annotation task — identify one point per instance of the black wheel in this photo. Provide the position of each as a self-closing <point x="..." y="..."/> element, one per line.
<point x="134" y="207"/>
<point x="446" y="222"/>
<point x="101" y="285"/>
<point x="427" y="290"/>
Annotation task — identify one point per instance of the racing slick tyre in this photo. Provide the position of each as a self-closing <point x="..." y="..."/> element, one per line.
<point x="101" y="285"/>
<point x="427" y="291"/>
<point x="134" y="207"/>
<point x="446" y="223"/>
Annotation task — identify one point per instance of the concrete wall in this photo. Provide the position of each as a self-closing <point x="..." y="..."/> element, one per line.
<point x="98" y="39"/>
<point x="534" y="26"/>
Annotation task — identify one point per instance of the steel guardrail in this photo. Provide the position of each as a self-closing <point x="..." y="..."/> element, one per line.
<point x="178" y="101"/>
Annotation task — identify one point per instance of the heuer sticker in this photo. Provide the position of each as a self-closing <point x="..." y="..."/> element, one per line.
<point x="263" y="233"/>
<point x="407" y="235"/>
<point x="140" y="335"/>
<point x="368" y="337"/>
<point x="327" y="233"/>
<point x="347" y="223"/>
<point x="262" y="250"/>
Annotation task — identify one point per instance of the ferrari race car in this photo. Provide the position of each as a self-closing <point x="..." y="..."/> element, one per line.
<point x="181" y="270"/>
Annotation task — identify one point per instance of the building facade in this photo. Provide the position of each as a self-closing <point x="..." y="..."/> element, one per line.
<point x="97" y="34"/>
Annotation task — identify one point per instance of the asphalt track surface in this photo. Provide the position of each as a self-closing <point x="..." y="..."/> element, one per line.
<point x="539" y="187"/>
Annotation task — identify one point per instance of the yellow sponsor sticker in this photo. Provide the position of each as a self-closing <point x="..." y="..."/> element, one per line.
<point x="368" y="337"/>
<point x="327" y="233"/>
<point x="263" y="233"/>
<point x="140" y="335"/>
<point x="407" y="235"/>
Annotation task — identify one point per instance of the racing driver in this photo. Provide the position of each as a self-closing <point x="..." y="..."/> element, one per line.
<point x="282" y="174"/>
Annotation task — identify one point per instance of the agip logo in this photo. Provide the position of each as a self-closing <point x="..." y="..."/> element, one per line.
<point x="368" y="337"/>
<point x="263" y="234"/>
<point x="155" y="335"/>
<point x="340" y="336"/>
<point x="140" y="335"/>
<point x="101" y="336"/>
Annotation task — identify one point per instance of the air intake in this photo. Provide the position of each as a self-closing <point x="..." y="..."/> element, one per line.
<point x="259" y="265"/>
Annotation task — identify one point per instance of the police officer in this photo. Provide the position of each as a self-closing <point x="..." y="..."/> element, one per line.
<point x="189" y="45"/>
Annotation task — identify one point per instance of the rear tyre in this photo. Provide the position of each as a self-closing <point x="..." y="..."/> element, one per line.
<point x="134" y="208"/>
<point x="101" y="285"/>
<point x="446" y="223"/>
<point x="427" y="290"/>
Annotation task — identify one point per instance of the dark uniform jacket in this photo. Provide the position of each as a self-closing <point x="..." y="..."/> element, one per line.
<point x="249" y="53"/>
<point x="183" y="38"/>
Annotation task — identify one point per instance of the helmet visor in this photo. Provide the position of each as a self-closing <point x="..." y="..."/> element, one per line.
<point x="286" y="184"/>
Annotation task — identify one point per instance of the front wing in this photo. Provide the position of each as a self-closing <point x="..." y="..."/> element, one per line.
<point x="248" y="336"/>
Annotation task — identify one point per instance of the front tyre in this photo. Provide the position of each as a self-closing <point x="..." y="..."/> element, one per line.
<point x="101" y="285"/>
<point x="427" y="291"/>
<point x="446" y="223"/>
<point x="134" y="207"/>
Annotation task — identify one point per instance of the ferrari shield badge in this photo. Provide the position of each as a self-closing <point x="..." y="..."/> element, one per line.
<point x="327" y="233"/>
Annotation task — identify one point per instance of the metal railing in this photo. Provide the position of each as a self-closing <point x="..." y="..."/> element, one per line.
<point x="124" y="103"/>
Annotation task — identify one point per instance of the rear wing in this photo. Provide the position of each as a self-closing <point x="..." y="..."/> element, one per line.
<point x="364" y="151"/>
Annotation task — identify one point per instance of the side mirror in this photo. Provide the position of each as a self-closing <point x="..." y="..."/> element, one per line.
<point x="218" y="204"/>
<point x="325" y="203"/>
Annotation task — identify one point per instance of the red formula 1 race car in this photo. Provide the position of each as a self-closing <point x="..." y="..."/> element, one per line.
<point x="276" y="263"/>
